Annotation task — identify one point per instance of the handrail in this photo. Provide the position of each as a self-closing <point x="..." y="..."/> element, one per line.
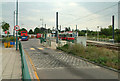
<point x="25" y="71"/>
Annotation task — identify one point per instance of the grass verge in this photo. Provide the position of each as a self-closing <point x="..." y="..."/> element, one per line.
<point x="98" y="55"/>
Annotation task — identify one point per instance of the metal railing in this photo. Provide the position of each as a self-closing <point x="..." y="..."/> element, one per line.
<point x="25" y="71"/>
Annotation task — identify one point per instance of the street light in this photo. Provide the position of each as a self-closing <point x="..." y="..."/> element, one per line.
<point x="86" y="32"/>
<point x="42" y="21"/>
<point x="14" y="24"/>
<point x="98" y="33"/>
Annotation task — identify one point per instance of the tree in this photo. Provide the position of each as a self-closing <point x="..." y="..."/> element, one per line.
<point x="5" y="26"/>
<point x="117" y="35"/>
<point x="80" y="33"/>
<point x="49" y="31"/>
<point x="31" y="32"/>
<point x="106" y="31"/>
<point x="67" y="29"/>
<point x="42" y="30"/>
<point x="23" y="29"/>
<point x="36" y="30"/>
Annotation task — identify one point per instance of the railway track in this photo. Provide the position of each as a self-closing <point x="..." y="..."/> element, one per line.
<point x="105" y="45"/>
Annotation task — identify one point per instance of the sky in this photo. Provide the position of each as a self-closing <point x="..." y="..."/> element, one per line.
<point x="86" y="15"/>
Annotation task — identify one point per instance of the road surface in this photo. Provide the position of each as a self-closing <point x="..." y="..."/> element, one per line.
<point x="54" y="64"/>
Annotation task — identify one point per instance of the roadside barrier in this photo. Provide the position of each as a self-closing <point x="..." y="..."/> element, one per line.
<point x="25" y="71"/>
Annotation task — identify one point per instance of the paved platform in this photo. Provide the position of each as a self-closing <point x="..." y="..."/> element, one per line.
<point x="100" y="42"/>
<point x="11" y="64"/>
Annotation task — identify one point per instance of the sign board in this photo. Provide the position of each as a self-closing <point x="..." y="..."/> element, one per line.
<point x="17" y="28"/>
<point x="81" y="40"/>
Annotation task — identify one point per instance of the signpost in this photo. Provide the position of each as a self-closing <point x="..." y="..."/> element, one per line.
<point x="16" y="24"/>
<point x="17" y="28"/>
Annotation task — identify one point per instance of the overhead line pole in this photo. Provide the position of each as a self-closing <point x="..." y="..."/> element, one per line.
<point x="113" y="28"/>
<point x="56" y="27"/>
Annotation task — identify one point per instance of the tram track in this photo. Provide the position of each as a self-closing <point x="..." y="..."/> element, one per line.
<point x="105" y="45"/>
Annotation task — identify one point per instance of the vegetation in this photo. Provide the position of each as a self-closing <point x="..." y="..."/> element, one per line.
<point x="104" y="33"/>
<point x="67" y="29"/>
<point x="41" y="30"/>
<point x="23" y="29"/>
<point x="36" y="30"/>
<point x="5" y="26"/>
<point x="30" y="31"/>
<point x="102" y="56"/>
<point x="8" y="39"/>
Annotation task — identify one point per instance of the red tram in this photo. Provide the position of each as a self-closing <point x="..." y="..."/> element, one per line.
<point x="68" y="35"/>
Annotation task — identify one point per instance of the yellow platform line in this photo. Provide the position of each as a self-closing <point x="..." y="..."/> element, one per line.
<point x="41" y="48"/>
<point x="32" y="48"/>
<point x="33" y="66"/>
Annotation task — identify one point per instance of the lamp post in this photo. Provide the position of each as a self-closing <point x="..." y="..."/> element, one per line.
<point x="86" y="32"/>
<point x="42" y="21"/>
<point x="98" y="33"/>
<point x="14" y="24"/>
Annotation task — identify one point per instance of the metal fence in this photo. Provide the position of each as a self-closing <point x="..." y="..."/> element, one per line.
<point x="25" y="71"/>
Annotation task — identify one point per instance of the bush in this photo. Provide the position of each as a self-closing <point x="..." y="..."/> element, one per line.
<point x="4" y="39"/>
<point x="117" y="38"/>
<point x="102" y="36"/>
<point x="64" y="48"/>
<point x="102" y="60"/>
<point x="12" y="38"/>
<point x="110" y="37"/>
<point x="8" y="39"/>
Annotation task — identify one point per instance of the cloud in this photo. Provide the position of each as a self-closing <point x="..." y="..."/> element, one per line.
<point x="70" y="14"/>
<point x="67" y="12"/>
<point x="73" y="4"/>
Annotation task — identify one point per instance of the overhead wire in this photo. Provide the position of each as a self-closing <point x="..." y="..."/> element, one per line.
<point x="90" y="14"/>
<point x="99" y="17"/>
